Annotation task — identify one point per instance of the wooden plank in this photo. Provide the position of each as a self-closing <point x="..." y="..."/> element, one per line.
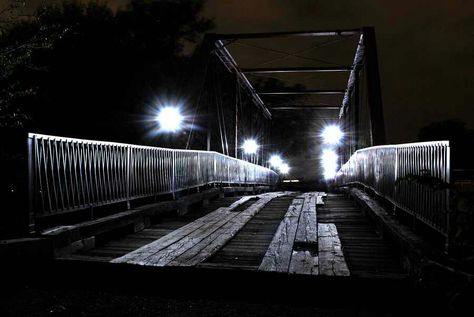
<point x="173" y="237"/>
<point x="171" y="246"/>
<point x="319" y="200"/>
<point x="169" y="239"/>
<point x="307" y="231"/>
<point x="303" y="262"/>
<point x="327" y="230"/>
<point x="330" y="256"/>
<point x="215" y="241"/>
<point x="168" y="254"/>
<point x="278" y="256"/>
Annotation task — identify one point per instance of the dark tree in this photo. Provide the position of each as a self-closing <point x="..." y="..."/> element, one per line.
<point x="460" y="137"/>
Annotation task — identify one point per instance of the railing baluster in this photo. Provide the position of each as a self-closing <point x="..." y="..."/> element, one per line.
<point x="372" y="166"/>
<point x="68" y="174"/>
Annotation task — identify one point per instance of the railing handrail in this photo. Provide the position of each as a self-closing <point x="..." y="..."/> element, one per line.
<point x="67" y="174"/>
<point x="98" y="142"/>
<point x="391" y="170"/>
<point x="401" y="145"/>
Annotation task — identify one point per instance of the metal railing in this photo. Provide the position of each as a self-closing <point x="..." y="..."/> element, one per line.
<point x="67" y="174"/>
<point x="411" y="176"/>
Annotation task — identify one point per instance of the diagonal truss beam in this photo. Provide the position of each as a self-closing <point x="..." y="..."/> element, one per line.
<point x="356" y="66"/>
<point x="221" y="40"/>
<point x="229" y="62"/>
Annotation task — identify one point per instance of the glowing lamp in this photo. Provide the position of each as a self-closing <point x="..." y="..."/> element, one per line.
<point x="250" y="146"/>
<point x="284" y="168"/>
<point x="329" y="163"/>
<point x="332" y="134"/>
<point x="275" y="161"/>
<point x="170" y="119"/>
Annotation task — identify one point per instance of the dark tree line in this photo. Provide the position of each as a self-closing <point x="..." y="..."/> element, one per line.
<point x="461" y="140"/>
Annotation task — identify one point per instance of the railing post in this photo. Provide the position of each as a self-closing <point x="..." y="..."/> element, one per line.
<point x="173" y="174"/>
<point x="197" y="172"/>
<point x="128" y="171"/>
<point x="395" y="189"/>
<point x="30" y="218"/>
<point x="374" y="95"/>
<point x="450" y="210"/>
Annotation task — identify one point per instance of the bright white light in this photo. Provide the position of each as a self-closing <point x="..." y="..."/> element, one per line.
<point x="332" y="134"/>
<point x="169" y="119"/>
<point x="275" y="161"/>
<point x="284" y="168"/>
<point x="250" y="146"/>
<point x="329" y="163"/>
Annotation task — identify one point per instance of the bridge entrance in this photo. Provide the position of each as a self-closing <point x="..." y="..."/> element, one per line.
<point x="327" y="78"/>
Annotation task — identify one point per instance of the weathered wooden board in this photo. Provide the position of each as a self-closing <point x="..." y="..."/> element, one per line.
<point x="330" y="256"/>
<point x="213" y="242"/>
<point x="303" y="262"/>
<point x="278" y="256"/>
<point x="173" y="237"/>
<point x="169" y="253"/>
<point x="319" y="200"/>
<point x="307" y="231"/>
<point x="195" y="236"/>
<point x="169" y="239"/>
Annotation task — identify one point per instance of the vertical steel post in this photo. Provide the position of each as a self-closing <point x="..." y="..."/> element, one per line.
<point x="450" y="209"/>
<point x="356" y="129"/>
<point x="237" y="101"/>
<point x="30" y="218"/>
<point x="173" y="175"/>
<point x="128" y="171"/>
<point x="373" y="88"/>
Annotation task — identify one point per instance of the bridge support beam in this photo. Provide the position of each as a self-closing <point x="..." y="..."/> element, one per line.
<point x="373" y="87"/>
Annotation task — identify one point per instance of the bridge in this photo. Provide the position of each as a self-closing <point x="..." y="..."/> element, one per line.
<point x="176" y="211"/>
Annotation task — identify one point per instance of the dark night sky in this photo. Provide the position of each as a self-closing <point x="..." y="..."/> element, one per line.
<point x="425" y="48"/>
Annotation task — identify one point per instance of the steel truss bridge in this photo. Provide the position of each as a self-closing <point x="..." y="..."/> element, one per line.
<point x="81" y="189"/>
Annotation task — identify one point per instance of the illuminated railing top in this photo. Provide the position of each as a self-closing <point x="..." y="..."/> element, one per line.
<point x="67" y="174"/>
<point x="413" y="176"/>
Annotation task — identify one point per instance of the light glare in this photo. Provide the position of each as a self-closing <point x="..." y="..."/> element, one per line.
<point x="275" y="161"/>
<point x="284" y="168"/>
<point x="329" y="163"/>
<point x="170" y="119"/>
<point x="332" y="134"/>
<point x="250" y="146"/>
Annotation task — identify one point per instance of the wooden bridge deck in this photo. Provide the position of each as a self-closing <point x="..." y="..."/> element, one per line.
<point x="118" y="244"/>
<point x="269" y="232"/>
<point x="367" y="254"/>
<point x="248" y="247"/>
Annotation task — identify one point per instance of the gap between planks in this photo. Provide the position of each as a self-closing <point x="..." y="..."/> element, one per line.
<point x="302" y="246"/>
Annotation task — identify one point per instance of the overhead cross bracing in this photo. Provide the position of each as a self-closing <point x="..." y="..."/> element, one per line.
<point x="306" y="69"/>
<point x="226" y="44"/>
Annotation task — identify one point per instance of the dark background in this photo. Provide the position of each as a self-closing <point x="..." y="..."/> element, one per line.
<point x="425" y="48"/>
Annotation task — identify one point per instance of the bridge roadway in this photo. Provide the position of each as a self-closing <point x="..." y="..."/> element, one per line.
<point x="287" y="232"/>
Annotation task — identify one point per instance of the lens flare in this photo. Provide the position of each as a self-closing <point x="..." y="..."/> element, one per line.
<point x="284" y="168"/>
<point x="250" y="146"/>
<point x="329" y="163"/>
<point x="332" y="134"/>
<point x="275" y="161"/>
<point x="170" y="119"/>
